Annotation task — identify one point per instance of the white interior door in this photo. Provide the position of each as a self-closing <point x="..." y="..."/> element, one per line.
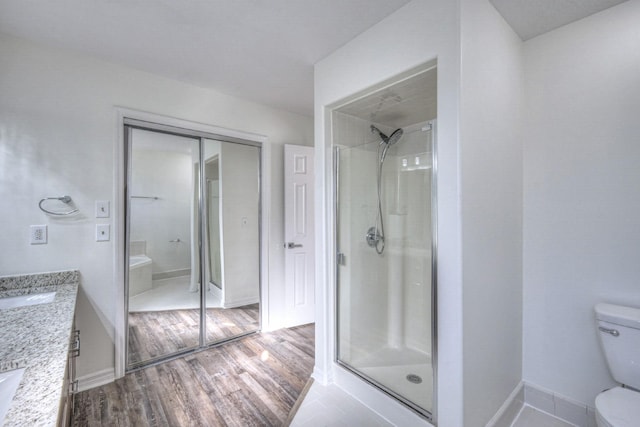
<point x="299" y="238"/>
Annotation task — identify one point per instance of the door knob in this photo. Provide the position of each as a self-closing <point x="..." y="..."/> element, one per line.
<point x="291" y="245"/>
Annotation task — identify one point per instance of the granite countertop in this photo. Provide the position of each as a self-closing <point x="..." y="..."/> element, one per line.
<point x="37" y="338"/>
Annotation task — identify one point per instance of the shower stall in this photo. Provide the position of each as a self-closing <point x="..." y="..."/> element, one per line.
<point x="385" y="205"/>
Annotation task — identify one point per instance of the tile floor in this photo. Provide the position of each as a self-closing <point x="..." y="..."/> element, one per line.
<point x="530" y="417"/>
<point x="331" y="407"/>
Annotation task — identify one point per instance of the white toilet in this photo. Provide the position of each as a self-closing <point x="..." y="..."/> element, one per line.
<point x="619" y="332"/>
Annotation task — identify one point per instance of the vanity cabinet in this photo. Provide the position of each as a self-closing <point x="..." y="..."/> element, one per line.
<point x="42" y="338"/>
<point x="70" y="385"/>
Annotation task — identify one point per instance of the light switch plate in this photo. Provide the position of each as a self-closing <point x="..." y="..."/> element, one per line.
<point x="103" y="232"/>
<point x="102" y="209"/>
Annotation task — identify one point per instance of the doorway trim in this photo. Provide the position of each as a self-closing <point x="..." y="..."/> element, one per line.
<point x="326" y="369"/>
<point x="119" y="218"/>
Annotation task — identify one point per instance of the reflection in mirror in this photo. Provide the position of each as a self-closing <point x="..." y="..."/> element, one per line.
<point x="164" y="304"/>
<point x="232" y="177"/>
<point x="214" y="267"/>
<point x="172" y="225"/>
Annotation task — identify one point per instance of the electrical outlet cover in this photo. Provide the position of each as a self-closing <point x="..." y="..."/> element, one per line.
<point x="38" y="234"/>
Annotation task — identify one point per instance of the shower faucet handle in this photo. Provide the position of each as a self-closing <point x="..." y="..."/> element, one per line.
<point x="291" y="245"/>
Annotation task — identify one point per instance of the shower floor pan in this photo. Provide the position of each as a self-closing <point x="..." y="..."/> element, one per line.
<point x="394" y="377"/>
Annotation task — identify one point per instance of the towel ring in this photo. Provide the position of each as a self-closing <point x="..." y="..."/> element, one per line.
<point x="64" y="199"/>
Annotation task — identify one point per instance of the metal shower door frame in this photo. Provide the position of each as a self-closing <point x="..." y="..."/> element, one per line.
<point x="340" y="257"/>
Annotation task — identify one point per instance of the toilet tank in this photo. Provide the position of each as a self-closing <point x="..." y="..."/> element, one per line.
<point x="619" y="332"/>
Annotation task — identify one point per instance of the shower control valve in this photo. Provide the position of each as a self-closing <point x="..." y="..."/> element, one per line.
<point x="373" y="236"/>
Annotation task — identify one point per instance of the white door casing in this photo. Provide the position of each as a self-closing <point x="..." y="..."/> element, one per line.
<point x="299" y="234"/>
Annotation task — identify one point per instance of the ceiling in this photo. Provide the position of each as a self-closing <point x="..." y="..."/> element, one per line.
<point x="258" y="50"/>
<point x="530" y="18"/>
<point x="406" y="103"/>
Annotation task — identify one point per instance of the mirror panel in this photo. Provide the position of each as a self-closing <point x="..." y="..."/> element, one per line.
<point x="232" y="201"/>
<point x="163" y="300"/>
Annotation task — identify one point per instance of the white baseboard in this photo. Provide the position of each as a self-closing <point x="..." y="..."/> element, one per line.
<point x="508" y="412"/>
<point x="171" y="274"/>
<point x="96" y="379"/>
<point x="241" y="302"/>
<point x="215" y="291"/>
<point x="320" y="376"/>
<point x="562" y="407"/>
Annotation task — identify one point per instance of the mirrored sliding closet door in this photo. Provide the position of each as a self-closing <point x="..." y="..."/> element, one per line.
<point x="192" y="211"/>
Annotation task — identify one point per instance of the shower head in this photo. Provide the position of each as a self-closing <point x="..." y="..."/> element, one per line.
<point x="389" y="140"/>
<point x="395" y="136"/>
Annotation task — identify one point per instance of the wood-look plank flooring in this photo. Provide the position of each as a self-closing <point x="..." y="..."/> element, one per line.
<point x="254" y="381"/>
<point x="160" y="333"/>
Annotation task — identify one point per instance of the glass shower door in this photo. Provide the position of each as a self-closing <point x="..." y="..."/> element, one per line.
<point x="385" y="299"/>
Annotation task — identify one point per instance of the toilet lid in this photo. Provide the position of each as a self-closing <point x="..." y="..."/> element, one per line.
<point x="620" y="407"/>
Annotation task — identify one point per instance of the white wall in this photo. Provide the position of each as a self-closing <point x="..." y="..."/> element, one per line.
<point x="491" y="171"/>
<point x="421" y="31"/>
<point x="57" y="136"/>
<point x="581" y="194"/>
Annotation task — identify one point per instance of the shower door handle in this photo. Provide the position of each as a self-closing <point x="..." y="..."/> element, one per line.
<point x="291" y="245"/>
